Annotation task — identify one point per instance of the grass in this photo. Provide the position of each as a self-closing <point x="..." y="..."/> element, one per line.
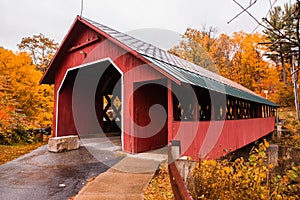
<point x="160" y="186"/>
<point x="11" y="152"/>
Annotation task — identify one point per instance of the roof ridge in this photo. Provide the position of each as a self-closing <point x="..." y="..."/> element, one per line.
<point x="94" y="22"/>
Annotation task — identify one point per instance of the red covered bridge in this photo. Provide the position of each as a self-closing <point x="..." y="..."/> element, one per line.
<point x="109" y="82"/>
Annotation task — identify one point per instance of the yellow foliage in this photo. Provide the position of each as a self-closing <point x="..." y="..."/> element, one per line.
<point x="240" y="57"/>
<point x="160" y="186"/>
<point x="241" y="179"/>
<point x="27" y="103"/>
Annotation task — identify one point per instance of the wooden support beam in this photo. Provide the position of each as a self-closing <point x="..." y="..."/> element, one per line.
<point x="170" y="111"/>
<point x="195" y="108"/>
<point x="81" y="45"/>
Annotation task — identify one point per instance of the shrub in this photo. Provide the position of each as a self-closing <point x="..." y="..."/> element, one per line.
<point x="18" y="135"/>
<point x="9" y="138"/>
<point x="292" y="138"/>
<point x="222" y="179"/>
<point x="286" y="186"/>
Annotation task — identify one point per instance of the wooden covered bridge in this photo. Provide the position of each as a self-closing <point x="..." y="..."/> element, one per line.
<point x="107" y="81"/>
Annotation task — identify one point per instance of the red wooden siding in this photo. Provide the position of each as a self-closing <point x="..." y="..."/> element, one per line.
<point x="66" y="124"/>
<point x="229" y="135"/>
<point x="145" y="97"/>
<point x="140" y="73"/>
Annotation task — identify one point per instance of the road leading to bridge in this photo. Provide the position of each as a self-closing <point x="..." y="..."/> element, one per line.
<point x="45" y="175"/>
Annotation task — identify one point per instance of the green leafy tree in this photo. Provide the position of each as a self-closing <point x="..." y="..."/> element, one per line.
<point x="283" y="34"/>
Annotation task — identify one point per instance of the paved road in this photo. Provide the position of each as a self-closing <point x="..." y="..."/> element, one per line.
<point x="44" y="175"/>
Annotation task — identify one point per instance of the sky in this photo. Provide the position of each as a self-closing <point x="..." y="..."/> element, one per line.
<point x="53" y="18"/>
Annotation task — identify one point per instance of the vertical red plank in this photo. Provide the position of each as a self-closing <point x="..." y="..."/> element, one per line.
<point x="170" y="111"/>
<point x="143" y="101"/>
<point x="66" y="125"/>
<point x="234" y="134"/>
<point x="54" y="112"/>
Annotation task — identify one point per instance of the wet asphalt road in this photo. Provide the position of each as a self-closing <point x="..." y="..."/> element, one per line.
<point x="45" y="175"/>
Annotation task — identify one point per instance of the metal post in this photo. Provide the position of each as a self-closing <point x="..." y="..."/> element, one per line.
<point x="277" y="117"/>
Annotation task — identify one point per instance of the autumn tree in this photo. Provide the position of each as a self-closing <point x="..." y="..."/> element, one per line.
<point x="249" y="67"/>
<point x="195" y="47"/>
<point x="40" y="48"/>
<point x="238" y="57"/>
<point x="23" y="101"/>
<point x="221" y="52"/>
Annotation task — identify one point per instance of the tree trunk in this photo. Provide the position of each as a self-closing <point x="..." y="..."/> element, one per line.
<point x="282" y="64"/>
<point x="295" y="86"/>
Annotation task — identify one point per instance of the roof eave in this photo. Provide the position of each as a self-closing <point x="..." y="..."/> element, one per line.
<point x="130" y="50"/>
<point x="48" y="76"/>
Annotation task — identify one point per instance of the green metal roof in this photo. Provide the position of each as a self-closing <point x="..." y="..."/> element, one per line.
<point x="205" y="82"/>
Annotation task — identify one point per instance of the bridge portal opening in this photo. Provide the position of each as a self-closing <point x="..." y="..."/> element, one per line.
<point x="109" y="102"/>
<point x="90" y="104"/>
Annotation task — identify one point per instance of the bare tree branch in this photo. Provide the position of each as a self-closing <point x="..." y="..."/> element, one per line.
<point x="269" y="11"/>
<point x="280" y="34"/>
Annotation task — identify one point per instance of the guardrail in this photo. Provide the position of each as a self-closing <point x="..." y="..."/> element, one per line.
<point x="178" y="186"/>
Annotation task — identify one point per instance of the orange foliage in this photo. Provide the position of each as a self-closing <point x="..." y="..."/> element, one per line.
<point x="22" y="100"/>
<point x="240" y="57"/>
